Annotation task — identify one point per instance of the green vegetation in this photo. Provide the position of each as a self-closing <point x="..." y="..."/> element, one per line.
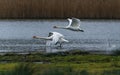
<point x="55" y="69"/>
<point x="21" y="69"/>
<point x="62" y="63"/>
<point x="64" y="8"/>
<point x="60" y="57"/>
<point x="113" y="72"/>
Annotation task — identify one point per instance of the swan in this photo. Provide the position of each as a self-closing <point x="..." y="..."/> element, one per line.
<point x="53" y="38"/>
<point x="74" y="24"/>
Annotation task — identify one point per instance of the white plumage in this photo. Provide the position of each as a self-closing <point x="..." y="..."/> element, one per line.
<point x="73" y="24"/>
<point x="53" y="38"/>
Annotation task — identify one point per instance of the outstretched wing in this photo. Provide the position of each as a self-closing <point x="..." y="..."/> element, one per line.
<point x="75" y="23"/>
<point x="69" y="22"/>
<point x="56" y="37"/>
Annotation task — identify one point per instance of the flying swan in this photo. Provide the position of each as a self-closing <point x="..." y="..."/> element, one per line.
<point x="53" y="38"/>
<point x="74" y="24"/>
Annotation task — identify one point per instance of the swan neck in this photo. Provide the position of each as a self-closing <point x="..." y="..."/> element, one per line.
<point x="62" y="27"/>
<point x="42" y="38"/>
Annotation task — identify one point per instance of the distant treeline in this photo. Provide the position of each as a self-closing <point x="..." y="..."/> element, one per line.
<point x="60" y="8"/>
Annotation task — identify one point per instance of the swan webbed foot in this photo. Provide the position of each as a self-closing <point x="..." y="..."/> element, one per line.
<point x="59" y="46"/>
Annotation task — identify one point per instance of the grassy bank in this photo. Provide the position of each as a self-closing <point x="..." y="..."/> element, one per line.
<point x="62" y="63"/>
<point x="74" y="56"/>
<point x="59" y="8"/>
<point x="59" y="69"/>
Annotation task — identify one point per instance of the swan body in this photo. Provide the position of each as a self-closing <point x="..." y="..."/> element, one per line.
<point x="74" y="24"/>
<point x="53" y="38"/>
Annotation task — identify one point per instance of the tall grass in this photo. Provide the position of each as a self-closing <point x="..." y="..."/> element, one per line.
<point x="26" y="69"/>
<point x="64" y="71"/>
<point x="31" y="69"/>
<point x="21" y="69"/>
<point x="59" y="8"/>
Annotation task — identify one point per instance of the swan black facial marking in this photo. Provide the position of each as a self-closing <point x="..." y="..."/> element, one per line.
<point x="50" y="34"/>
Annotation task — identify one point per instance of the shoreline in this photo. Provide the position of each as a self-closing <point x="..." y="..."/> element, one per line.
<point x="51" y="57"/>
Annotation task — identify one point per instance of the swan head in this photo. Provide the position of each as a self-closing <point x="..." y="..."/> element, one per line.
<point x="50" y="34"/>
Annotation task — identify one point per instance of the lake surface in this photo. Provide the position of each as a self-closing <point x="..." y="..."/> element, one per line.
<point x="98" y="35"/>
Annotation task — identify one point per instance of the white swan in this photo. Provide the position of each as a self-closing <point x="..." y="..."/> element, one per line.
<point x="74" y="24"/>
<point x="53" y="38"/>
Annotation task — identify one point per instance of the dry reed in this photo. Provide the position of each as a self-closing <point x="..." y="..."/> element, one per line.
<point x="59" y="8"/>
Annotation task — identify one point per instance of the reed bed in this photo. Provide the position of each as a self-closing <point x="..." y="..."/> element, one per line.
<point x="60" y="8"/>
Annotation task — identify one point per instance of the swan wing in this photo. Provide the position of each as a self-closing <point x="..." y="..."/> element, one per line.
<point x="45" y="38"/>
<point x="75" y="23"/>
<point x="56" y="37"/>
<point x="69" y="22"/>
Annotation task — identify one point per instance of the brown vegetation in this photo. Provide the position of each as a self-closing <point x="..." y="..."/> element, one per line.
<point x="59" y="8"/>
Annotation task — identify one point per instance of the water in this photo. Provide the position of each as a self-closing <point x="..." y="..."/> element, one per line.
<point x="99" y="35"/>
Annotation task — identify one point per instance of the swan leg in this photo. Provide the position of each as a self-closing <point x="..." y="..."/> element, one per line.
<point x="56" y="43"/>
<point x="61" y="45"/>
